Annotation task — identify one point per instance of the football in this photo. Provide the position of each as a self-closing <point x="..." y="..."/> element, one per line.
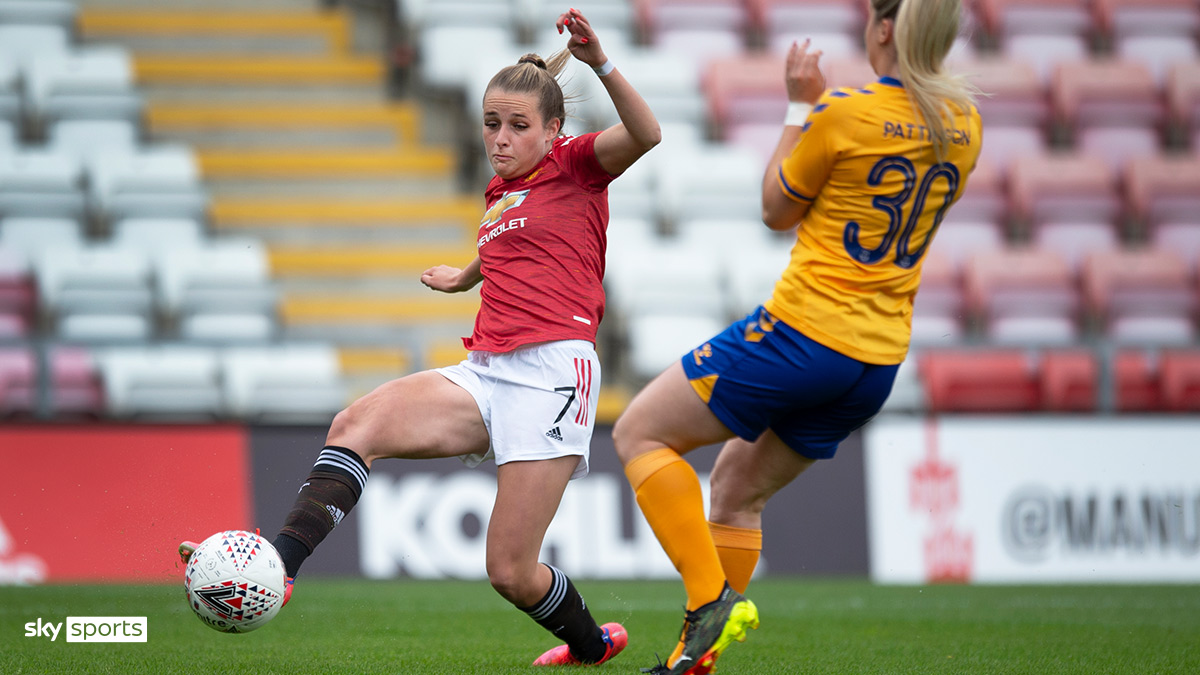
<point x="235" y="581"/>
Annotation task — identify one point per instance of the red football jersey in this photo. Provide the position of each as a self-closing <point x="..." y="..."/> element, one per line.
<point x="541" y="250"/>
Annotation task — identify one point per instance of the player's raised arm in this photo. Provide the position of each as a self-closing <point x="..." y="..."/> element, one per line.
<point x="781" y="211"/>
<point x="619" y="146"/>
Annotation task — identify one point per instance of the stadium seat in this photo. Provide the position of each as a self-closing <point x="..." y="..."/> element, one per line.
<point x="225" y="277"/>
<point x="154" y="181"/>
<point x="27" y="239"/>
<point x="753" y="270"/>
<point x="611" y="18"/>
<point x="745" y="89"/>
<point x="714" y="181"/>
<point x="92" y="83"/>
<point x="1006" y="18"/>
<point x="447" y="66"/>
<point x="1181" y="239"/>
<point x="1179" y="378"/>
<point x="1063" y="188"/>
<point x="1163" y="189"/>
<point x="85" y="138"/>
<point x="1119" y="19"/>
<point x="980" y="381"/>
<point x="1158" y="53"/>
<point x="665" y="277"/>
<point x="1112" y="107"/>
<point x="1024" y="296"/>
<point x="659" y="16"/>
<point x="23" y="43"/>
<point x="18" y="381"/>
<point x="908" y="393"/>
<point x="938" y="310"/>
<point x="283" y="383"/>
<point x="1006" y="143"/>
<point x="985" y="199"/>
<point x="1125" y="288"/>
<point x="659" y="338"/>
<point x="428" y="14"/>
<point x="1014" y="95"/>
<point x="10" y="100"/>
<point x="174" y="382"/>
<point x="831" y="45"/>
<point x="1074" y="242"/>
<point x="669" y="82"/>
<point x="96" y="293"/>
<point x="1136" y="383"/>
<point x="1069" y="380"/>
<point x="17" y="295"/>
<point x="59" y="13"/>
<point x="772" y="18"/>
<point x="75" y="388"/>
<point x="41" y="183"/>
<point x="1045" y="53"/>
<point x="155" y="235"/>
<point x="848" y="72"/>
<point x="1183" y="99"/>
<point x="701" y="45"/>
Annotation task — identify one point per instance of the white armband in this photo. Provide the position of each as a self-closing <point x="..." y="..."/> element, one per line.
<point x="797" y="113"/>
<point x="604" y="69"/>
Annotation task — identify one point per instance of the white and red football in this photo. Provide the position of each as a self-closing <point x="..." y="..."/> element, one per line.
<point x="235" y="581"/>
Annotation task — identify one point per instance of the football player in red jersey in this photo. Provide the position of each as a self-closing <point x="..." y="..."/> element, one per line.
<point x="526" y="395"/>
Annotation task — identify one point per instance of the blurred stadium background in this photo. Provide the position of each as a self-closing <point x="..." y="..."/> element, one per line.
<point x="213" y="216"/>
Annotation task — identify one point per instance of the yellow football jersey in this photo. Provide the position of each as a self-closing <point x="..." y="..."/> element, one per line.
<point x="876" y="195"/>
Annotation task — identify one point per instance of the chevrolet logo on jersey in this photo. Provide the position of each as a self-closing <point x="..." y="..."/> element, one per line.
<point x="507" y="201"/>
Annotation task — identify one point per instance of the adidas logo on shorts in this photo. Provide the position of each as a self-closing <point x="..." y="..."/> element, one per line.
<point x="555" y="434"/>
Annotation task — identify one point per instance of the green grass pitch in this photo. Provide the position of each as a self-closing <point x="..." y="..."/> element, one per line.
<point x="809" y="626"/>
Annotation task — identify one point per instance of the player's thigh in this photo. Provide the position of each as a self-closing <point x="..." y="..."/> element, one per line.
<point x="419" y="416"/>
<point x="667" y="413"/>
<point x="527" y="497"/>
<point x="747" y="474"/>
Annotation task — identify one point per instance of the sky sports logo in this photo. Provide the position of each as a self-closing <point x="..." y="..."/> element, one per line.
<point x="90" y="629"/>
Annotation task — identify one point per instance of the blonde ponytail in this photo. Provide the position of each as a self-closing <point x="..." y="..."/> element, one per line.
<point x="924" y="33"/>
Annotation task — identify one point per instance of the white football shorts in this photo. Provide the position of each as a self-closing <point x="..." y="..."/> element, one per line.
<point x="537" y="401"/>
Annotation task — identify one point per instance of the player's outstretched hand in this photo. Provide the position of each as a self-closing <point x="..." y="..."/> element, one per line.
<point x="805" y="83"/>
<point x="443" y="278"/>
<point x="583" y="45"/>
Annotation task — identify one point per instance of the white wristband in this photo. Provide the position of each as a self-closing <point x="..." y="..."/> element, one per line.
<point x="604" y="69"/>
<point x="797" y="113"/>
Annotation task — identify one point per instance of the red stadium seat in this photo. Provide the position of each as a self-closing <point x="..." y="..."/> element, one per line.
<point x="1003" y="18"/>
<point x="1159" y="18"/>
<point x="1181" y="239"/>
<point x="1135" y="378"/>
<point x="1163" y="189"/>
<point x="75" y="388"/>
<point x="1112" y="107"/>
<point x="17" y="296"/>
<point x="770" y="17"/>
<point x="958" y="240"/>
<point x="1014" y="291"/>
<point x="1179" y="377"/>
<point x="938" y="308"/>
<point x="1015" y="95"/>
<point x="18" y="381"/>
<point x="1063" y="188"/>
<point x="984" y="198"/>
<point x="745" y="90"/>
<point x="980" y="381"/>
<point x="1183" y="98"/>
<point x="854" y="72"/>
<point x="1124" y="288"/>
<point x="1069" y="380"/>
<point x="1076" y="241"/>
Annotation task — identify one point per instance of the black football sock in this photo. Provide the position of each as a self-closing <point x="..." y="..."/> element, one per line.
<point x="564" y="613"/>
<point x="331" y="490"/>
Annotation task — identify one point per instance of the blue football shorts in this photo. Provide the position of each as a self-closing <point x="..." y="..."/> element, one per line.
<point x="761" y="374"/>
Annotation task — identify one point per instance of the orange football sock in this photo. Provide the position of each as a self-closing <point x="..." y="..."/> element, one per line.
<point x="668" y="491"/>
<point x="738" y="548"/>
